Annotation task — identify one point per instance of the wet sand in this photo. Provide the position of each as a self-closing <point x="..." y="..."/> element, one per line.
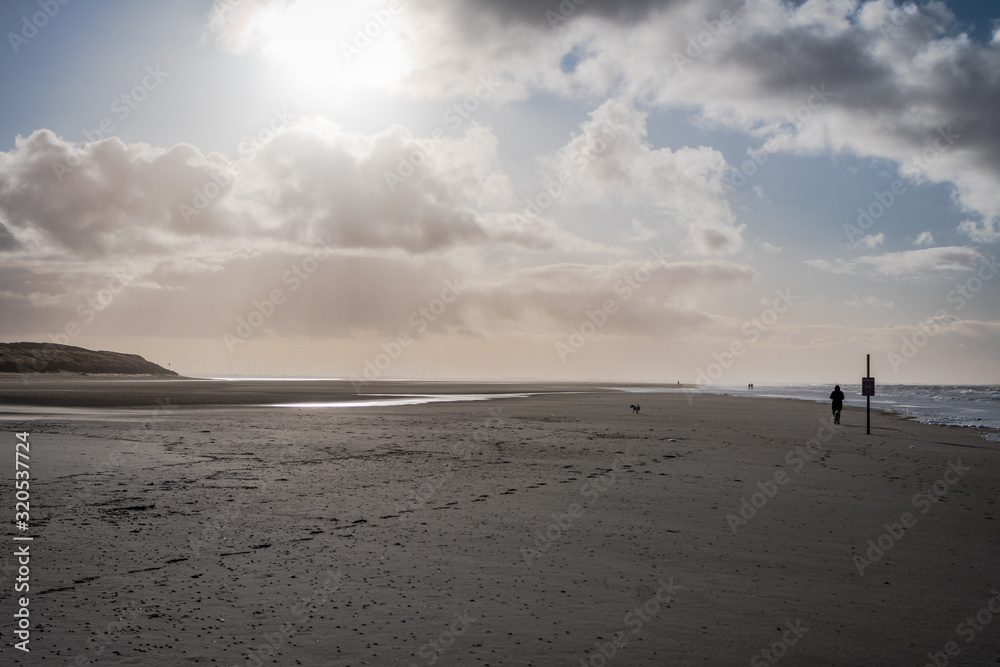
<point x="538" y="530"/>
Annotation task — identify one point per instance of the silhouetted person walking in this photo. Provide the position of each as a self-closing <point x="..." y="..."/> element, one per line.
<point x="837" y="397"/>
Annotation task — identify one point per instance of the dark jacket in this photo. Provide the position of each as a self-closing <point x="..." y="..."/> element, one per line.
<point x="837" y="397"/>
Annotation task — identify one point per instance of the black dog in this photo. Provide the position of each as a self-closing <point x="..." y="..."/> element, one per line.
<point x="635" y="408"/>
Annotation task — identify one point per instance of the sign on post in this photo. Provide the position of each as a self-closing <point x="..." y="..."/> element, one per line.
<point x="868" y="390"/>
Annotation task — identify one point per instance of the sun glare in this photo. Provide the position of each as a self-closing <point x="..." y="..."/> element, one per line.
<point x="337" y="45"/>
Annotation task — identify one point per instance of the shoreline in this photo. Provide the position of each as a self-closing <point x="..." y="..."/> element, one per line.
<point x="130" y="392"/>
<point x="89" y="392"/>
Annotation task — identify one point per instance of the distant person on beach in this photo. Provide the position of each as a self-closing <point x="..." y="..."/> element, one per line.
<point x="837" y="397"/>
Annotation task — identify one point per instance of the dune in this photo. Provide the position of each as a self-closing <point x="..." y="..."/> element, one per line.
<point x="32" y="358"/>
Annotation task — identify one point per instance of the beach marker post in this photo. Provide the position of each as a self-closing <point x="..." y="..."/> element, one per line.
<point x="868" y="390"/>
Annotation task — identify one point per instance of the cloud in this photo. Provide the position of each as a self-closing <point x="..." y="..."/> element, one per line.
<point x="868" y="302"/>
<point x="924" y="239"/>
<point x="530" y="13"/>
<point x="906" y="265"/>
<point x="201" y="239"/>
<point x="871" y="241"/>
<point x="767" y="247"/>
<point x="981" y="231"/>
<point x="639" y="233"/>
<point x="346" y="296"/>
<point x="897" y="82"/>
<point x="610" y="161"/>
<point x="540" y="234"/>
<point x="382" y="191"/>
<point x="312" y="181"/>
<point x="651" y="301"/>
<point x="101" y="199"/>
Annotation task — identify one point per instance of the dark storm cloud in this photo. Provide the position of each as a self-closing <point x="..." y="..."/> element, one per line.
<point x="792" y="61"/>
<point x="533" y="12"/>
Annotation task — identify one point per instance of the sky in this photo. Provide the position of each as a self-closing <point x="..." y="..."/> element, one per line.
<point x="713" y="191"/>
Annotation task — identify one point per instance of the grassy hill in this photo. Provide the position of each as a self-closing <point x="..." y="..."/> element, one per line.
<point x="53" y="358"/>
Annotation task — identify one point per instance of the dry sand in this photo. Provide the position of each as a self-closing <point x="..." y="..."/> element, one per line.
<point x="236" y="535"/>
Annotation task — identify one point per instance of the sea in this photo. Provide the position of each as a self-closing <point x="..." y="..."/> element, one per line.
<point x="970" y="406"/>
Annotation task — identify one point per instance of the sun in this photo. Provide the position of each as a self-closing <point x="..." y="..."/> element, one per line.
<point x="344" y="46"/>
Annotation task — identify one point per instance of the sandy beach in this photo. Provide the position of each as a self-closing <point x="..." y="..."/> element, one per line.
<point x="188" y="524"/>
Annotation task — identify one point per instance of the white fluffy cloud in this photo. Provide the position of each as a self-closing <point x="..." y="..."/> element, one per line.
<point x="610" y="161"/>
<point x="871" y="241"/>
<point x="311" y="183"/>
